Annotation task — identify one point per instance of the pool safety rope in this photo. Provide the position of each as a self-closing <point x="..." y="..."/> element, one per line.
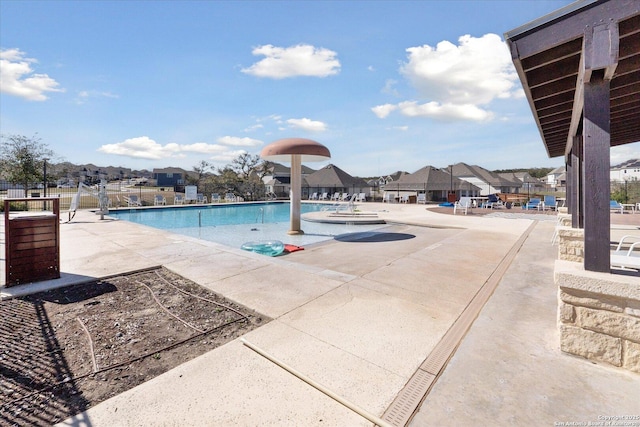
<point x="374" y="419"/>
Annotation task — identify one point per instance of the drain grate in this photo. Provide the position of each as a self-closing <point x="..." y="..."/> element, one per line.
<point x="419" y="385"/>
<point x="409" y="398"/>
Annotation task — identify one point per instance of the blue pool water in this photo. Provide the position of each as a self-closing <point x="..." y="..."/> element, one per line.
<point x="233" y="225"/>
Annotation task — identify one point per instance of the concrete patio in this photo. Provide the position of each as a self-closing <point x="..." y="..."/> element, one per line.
<point x="360" y="316"/>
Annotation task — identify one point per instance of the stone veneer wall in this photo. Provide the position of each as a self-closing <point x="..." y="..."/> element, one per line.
<point x="570" y="240"/>
<point x="599" y="315"/>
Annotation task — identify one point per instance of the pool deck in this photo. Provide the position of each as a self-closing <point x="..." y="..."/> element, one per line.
<point x="360" y="316"/>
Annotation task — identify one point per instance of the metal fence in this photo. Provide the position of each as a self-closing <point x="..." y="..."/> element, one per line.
<point x="118" y="196"/>
<point x="626" y="191"/>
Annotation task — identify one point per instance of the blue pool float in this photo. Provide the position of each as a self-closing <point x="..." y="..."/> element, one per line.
<point x="264" y="247"/>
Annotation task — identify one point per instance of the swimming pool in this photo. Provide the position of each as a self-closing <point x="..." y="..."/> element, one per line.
<point x="233" y="225"/>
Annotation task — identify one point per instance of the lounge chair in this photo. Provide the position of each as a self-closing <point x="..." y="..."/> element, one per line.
<point x="463" y="204"/>
<point x="215" y="198"/>
<point x="178" y="199"/>
<point x="159" y="200"/>
<point x="133" y="200"/>
<point x="550" y="203"/>
<point x="362" y="197"/>
<point x="325" y="196"/>
<point x="314" y="196"/>
<point x="627" y="258"/>
<point x="493" y="202"/>
<point x="344" y="197"/>
<point x="422" y="198"/>
<point x="534" y="203"/>
<point x="404" y="198"/>
<point x="230" y="197"/>
<point x="335" y="197"/>
<point x="614" y="206"/>
<point x="388" y="198"/>
<point x="201" y="198"/>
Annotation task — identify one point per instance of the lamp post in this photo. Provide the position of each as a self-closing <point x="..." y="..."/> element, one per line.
<point x="45" y="176"/>
<point x="626" y="181"/>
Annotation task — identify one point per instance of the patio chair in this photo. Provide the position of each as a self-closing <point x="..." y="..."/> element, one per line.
<point x="335" y="197"/>
<point x="230" y="197"/>
<point x="178" y="199"/>
<point x="362" y="197"/>
<point x="314" y="196"/>
<point x="159" y="200"/>
<point x="463" y="204"/>
<point x="534" y="203"/>
<point x="133" y="200"/>
<point x="627" y="258"/>
<point x="344" y="197"/>
<point x="404" y="198"/>
<point x="325" y="196"/>
<point x="550" y="203"/>
<point x="388" y="198"/>
<point x="201" y="198"/>
<point x="422" y="198"/>
<point x="215" y="198"/>
<point x="614" y="206"/>
<point x="493" y="202"/>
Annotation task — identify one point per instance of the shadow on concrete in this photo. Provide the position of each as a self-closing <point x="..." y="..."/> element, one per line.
<point x="373" y="237"/>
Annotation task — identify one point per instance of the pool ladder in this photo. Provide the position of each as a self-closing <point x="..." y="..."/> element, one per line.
<point x="260" y="215"/>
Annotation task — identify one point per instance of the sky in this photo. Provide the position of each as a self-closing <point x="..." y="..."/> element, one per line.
<point x="385" y="85"/>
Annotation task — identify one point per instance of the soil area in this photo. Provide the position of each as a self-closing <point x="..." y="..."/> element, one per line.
<point x="66" y="350"/>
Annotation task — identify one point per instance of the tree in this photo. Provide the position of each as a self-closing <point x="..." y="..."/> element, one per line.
<point x="244" y="164"/>
<point x="22" y="159"/>
<point x="265" y="168"/>
<point x="201" y="169"/>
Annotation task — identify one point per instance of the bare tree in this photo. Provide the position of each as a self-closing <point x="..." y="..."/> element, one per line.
<point x="201" y="169"/>
<point x="244" y="164"/>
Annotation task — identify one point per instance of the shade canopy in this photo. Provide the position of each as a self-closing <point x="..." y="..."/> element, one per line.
<point x="282" y="150"/>
<point x="557" y="54"/>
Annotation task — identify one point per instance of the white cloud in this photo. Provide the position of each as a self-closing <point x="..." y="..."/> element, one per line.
<point x="253" y="127"/>
<point x="476" y="71"/>
<point x="383" y="111"/>
<point x="201" y="147"/>
<point x="389" y="88"/>
<point x="307" y="124"/>
<point x="622" y="153"/>
<point x="457" y="81"/>
<point x="84" y="95"/>
<point x="239" y="142"/>
<point x="17" y="77"/>
<point x="144" y="147"/>
<point x="141" y="147"/>
<point x="300" y="60"/>
<point x="446" y="112"/>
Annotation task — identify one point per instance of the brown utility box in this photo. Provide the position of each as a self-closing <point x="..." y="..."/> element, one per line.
<point x="32" y="240"/>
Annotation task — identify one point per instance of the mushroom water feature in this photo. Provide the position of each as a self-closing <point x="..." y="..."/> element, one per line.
<point x="295" y="151"/>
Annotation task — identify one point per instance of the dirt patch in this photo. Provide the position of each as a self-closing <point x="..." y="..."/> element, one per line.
<point x="66" y="350"/>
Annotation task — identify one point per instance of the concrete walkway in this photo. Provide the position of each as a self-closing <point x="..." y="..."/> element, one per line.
<point x="359" y="316"/>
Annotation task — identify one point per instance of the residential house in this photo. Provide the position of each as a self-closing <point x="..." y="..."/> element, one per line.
<point x="557" y="179"/>
<point x="529" y="184"/>
<point x="435" y="183"/>
<point x="331" y="179"/>
<point x="488" y="182"/>
<point x="170" y="177"/>
<point x="278" y="179"/>
<point x="626" y="171"/>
